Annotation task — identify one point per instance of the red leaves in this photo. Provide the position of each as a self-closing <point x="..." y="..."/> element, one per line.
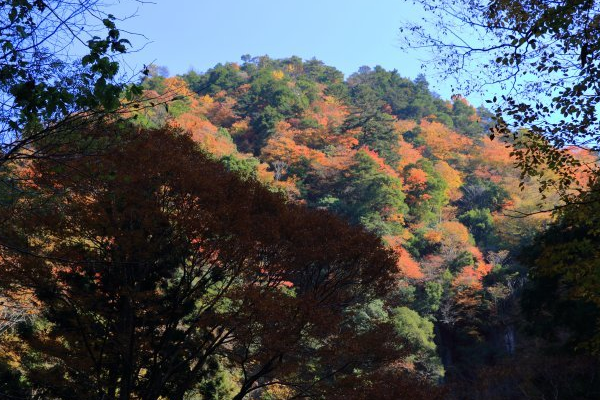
<point x="157" y="240"/>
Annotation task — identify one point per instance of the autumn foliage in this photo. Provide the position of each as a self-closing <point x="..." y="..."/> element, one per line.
<point x="148" y="265"/>
<point x="270" y="230"/>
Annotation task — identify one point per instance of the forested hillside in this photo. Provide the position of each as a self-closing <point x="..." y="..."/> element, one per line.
<point x="275" y="230"/>
<point x="386" y="153"/>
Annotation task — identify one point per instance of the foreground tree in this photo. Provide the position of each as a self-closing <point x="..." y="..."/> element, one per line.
<point x="563" y="296"/>
<point x="544" y="57"/>
<point x="44" y="89"/>
<point x="150" y="265"/>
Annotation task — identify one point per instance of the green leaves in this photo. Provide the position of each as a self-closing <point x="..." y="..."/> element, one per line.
<point x="44" y="88"/>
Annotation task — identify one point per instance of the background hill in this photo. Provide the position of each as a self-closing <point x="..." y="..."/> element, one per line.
<point x="388" y="154"/>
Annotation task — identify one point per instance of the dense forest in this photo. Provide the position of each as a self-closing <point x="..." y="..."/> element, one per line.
<point x="272" y="229"/>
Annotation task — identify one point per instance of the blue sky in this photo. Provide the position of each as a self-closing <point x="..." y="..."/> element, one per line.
<point x="185" y="34"/>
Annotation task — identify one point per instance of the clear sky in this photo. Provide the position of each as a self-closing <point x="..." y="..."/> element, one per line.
<point x="185" y="34"/>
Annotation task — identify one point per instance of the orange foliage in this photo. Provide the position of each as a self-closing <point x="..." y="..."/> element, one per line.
<point x="495" y="154"/>
<point x="283" y="147"/>
<point x="452" y="178"/>
<point x="441" y="141"/>
<point x="379" y="161"/>
<point x="293" y="145"/>
<point x="407" y="265"/>
<point x="205" y="133"/>
<point x="433" y="236"/>
<point x="460" y="98"/>
<point x="589" y="164"/>
<point x="408" y="154"/>
<point x="328" y="112"/>
<point x="453" y="232"/>
<point x="240" y="127"/>
<point x="175" y="86"/>
<point x="221" y="112"/>
<point x="416" y="179"/>
<point x="403" y="125"/>
<point x="468" y="277"/>
<point x="263" y="174"/>
<point x="472" y="275"/>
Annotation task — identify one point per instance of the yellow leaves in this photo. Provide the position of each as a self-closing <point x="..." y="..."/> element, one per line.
<point x="263" y="174"/>
<point x="433" y="236"/>
<point x="279" y="392"/>
<point x="407" y="265"/>
<point x="278" y="75"/>
<point x="240" y="127"/>
<point x="207" y="100"/>
<point x="453" y="232"/>
<point x="395" y="217"/>
<point x="403" y="126"/>
<point x="443" y="142"/>
<point x="452" y="178"/>
<point x="177" y="86"/>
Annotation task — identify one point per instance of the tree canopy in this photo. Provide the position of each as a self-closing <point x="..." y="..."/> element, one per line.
<point x="42" y="83"/>
<point x="147" y="267"/>
<point x="544" y="58"/>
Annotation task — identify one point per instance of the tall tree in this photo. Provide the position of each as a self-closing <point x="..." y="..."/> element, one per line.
<point x="544" y="56"/>
<point x="40" y="84"/>
<point x="147" y="265"/>
<point x="375" y="127"/>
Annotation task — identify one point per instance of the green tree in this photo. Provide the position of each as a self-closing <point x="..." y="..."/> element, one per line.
<point x="543" y="57"/>
<point x="221" y="77"/>
<point x="480" y="223"/>
<point x="371" y="196"/>
<point x="418" y="332"/>
<point x="39" y="87"/>
<point x="376" y="127"/>
<point x="146" y="265"/>
<point x="427" y="200"/>
<point x="565" y="276"/>
<point x="482" y="194"/>
<point x="270" y="99"/>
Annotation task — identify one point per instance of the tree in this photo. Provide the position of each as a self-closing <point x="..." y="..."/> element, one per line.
<point x="220" y="77"/>
<point x="418" y="331"/>
<point x="565" y="276"/>
<point x="270" y="99"/>
<point x="371" y="195"/>
<point x="44" y="92"/>
<point x="480" y="224"/>
<point x="544" y="55"/>
<point x="150" y="266"/>
<point x="376" y="128"/>
<point x="481" y="193"/>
